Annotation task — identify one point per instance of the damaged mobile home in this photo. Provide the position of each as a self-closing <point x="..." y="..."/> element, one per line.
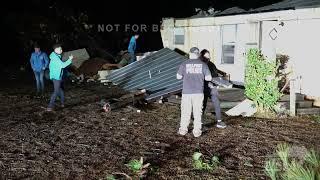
<point x="290" y="27"/>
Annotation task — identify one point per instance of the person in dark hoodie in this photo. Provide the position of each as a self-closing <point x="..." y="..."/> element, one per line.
<point x="39" y="62"/>
<point x="56" y="68"/>
<point x="210" y="89"/>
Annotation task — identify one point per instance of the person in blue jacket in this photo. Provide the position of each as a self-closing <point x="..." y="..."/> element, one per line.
<point x="132" y="48"/>
<point x="39" y="62"/>
<point x="56" y="68"/>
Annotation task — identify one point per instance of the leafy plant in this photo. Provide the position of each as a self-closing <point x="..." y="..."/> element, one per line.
<point x="138" y="167"/>
<point x="271" y="169"/>
<point x="199" y="164"/>
<point x="135" y="165"/>
<point x="261" y="81"/>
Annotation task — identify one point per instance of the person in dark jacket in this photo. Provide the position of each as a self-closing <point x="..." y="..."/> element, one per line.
<point x="39" y="62"/>
<point x="132" y="48"/>
<point x="56" y="68"/>
<point x="210" y="89"/>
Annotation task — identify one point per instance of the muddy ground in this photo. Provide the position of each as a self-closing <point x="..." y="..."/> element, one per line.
<point x="83" y="142"/>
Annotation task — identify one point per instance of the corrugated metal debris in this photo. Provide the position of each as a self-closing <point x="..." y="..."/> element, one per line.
<point x="155" y="73"/>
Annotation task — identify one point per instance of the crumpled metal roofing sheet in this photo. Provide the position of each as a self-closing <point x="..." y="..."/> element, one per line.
<point x="282" y="5"/>
<point x="230" y="11"/>
<point x="289" y="4"/>
<point x="155" y="73"/>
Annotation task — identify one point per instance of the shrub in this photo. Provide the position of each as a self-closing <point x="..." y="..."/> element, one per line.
<point x="261" y="83"/>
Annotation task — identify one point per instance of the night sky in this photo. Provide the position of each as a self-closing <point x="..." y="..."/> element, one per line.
<point x="19" y="16"/>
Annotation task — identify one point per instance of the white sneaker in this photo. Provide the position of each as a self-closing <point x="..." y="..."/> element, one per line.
<point x="221" y="125"/>
<point x="182" y="132"/>
<point x="197" y="134"/>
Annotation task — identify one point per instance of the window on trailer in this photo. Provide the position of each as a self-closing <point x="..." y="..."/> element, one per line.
<point x="179" y="36"/>
<point x="229" y="37"/>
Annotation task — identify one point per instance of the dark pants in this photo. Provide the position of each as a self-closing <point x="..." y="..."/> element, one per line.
<point x="58" y="91"/>
<point x="132" y="57"/>
<point x="39" y="81"/>
<point x="215" y="101"/>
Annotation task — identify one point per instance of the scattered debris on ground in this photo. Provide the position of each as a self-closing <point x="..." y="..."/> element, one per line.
<point x="82" y="141"/>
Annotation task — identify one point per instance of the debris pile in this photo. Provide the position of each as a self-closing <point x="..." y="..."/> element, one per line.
<point x="92" y="66"/>
<point x="130" y="98"/>
<point x="92" y="69"/>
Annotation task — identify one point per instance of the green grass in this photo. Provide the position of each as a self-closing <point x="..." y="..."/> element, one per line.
<point x="271" y="169"/>
<point x="110" y="177"/>
<point x="313" y="159"/>
<point x="316" y="118"/>
<point x="296" y="172"/>
<point x="290" y="168"/>
<point x="283" y="153"/>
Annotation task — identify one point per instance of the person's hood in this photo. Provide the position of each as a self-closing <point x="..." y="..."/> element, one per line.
<point x="55" y="54"/>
